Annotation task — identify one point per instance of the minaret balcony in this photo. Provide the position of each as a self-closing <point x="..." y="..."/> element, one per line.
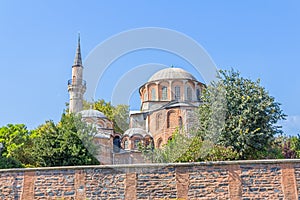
<point x="74" y="82"/>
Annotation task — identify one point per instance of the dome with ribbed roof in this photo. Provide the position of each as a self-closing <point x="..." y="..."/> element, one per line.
<point x="91" y="113"/>
<point x="171" y="73"/>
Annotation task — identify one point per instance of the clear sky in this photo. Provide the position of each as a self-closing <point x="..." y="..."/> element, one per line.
<point x="38" y="39"/>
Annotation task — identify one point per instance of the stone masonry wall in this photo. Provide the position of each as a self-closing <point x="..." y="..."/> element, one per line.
<point x="263" y="179"/>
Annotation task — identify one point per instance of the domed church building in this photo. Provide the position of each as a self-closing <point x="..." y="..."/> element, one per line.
<point x="168" y="100"/>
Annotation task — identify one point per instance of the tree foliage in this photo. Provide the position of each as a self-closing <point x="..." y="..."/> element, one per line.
<point x="67" y="143"/>
<point x="15" y="139"/>
<point x="188" y="148"/>
<point x="250" y="114"/>
<point x="9" y="162"/>
<point x="121" y="118"/>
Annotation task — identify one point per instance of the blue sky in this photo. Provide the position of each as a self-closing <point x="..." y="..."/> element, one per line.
<point x="38" y="39"/>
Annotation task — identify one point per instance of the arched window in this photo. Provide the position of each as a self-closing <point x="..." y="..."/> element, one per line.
<point x="198" y="94"/>
<point x="136" y="143"/>
<point x="177" y="93"/>
<point x="164" y="93"/>
<point x="171" y="119"/>
<point x="189" y="93"/>
<point x="146" y="142"/>
<point x="153" y="94"/>
<point x="116" y="144"/>
<point x="180" y="121"/>
<point x="159" y="143"/>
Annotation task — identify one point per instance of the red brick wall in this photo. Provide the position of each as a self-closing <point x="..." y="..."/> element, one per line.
<point x="169" y="122"/>
<point x="265" y="179"/>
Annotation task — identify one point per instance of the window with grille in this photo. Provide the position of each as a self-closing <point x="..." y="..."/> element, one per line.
<point x="177" y="93"/>
<point x="153" y="94"/>
<point x="164" y="93"/>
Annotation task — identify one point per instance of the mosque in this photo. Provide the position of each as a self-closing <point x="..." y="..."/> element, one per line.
<point x="168" y="100"/>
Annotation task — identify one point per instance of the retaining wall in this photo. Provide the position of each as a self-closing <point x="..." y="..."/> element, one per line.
<point x="263" y="179"/>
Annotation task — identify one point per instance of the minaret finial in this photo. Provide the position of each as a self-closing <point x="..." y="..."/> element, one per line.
<point x="78" y="61"/>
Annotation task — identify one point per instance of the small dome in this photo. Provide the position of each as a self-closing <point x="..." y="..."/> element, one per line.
<point x="136" y="131"/>
<point x="92" y="114"/>
<point x="171" y="73"/>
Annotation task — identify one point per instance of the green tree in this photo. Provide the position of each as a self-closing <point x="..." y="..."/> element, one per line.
<point x="15" y="139"/>
<point x="121" y="117"/>
<point x="249" y="114"/>
<point x="290" y="146"/>
<point x="9" y="162"/>
<point x="188" y="148"/>
<point x="67" y="143"/>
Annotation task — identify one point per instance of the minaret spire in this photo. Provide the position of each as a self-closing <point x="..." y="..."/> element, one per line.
<point x="78" y="61"/>
<point x="76" y="85"/>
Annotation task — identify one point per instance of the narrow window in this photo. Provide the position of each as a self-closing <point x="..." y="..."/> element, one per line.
<point x="198" y="95"/>
<point x="159" y="143"/>
<point x="164" y="93"/>
<point x="136" y="143"/>
<point x="126" y="144"/>
<point x="171" y="119"/>
<point x="189" y="93"/>
<point x="180" y="121"/>
<point x="153" y="94"/>
<point x="177" y="93"/>
<point x="145" y="96"/>
<point x="116" y="144"/>
<point x="147" y="142"/>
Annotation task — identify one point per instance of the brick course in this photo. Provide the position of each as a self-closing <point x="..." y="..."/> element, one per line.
<point x="264" y="179"/>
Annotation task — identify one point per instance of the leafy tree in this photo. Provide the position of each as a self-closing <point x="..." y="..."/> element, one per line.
<point x="121" y="118"/>
<point x="291" y="146"/>
<point x="15" y="139"/>
<point x="67" y="143"/>
<point x="188" y="148"/>
<point x="248" y="112"/>
<point x="9" y="162"/>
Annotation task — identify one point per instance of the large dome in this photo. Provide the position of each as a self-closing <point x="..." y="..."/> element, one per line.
<point x="92" y="114"/>
<point x="171" y="73"/>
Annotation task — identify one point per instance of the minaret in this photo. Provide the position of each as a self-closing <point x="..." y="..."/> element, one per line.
<point x="76" y="86"/>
